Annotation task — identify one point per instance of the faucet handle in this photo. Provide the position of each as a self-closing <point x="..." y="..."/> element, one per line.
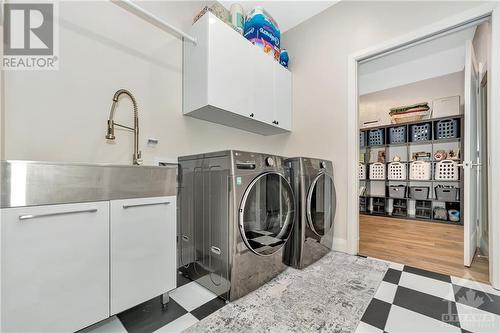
<point x="138" y="160"/>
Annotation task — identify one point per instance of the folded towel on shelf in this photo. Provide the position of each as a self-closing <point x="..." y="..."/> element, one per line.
<point x="419" y="107"/>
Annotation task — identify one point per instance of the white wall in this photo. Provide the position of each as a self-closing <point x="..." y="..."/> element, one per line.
<point x="319" y="49"/>
<point x="376" y="106"/>
<point x="437" y="57"/>
<point x="61" y="115"/>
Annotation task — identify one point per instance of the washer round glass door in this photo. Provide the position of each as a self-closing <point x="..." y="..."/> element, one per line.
<point x="321" y="204"/>
<point x="267" y="213"/>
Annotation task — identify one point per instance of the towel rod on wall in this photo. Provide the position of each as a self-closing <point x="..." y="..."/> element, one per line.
<point x="153" y="19"/>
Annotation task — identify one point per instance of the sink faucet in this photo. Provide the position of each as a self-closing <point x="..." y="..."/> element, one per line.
<point x="136" y="158"/>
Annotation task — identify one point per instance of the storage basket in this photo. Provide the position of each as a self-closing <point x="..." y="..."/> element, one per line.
<point x="397" y="191"/>
<point x="362" y="139"/>
<point x="399" y="203"/>
<point x="423" y="213"/>
<point x="448" y="194"/>
<point x="446" y="170"/>
<point x="361" y="171"/>
<point x="446" y="129"/>
<point x="378" y="205"/>
<point x="376" y="137"/>
<point x="396" y="171"/>
<point x="399" y="211"/>
<point x="377" y="171"/>
<point x="420" y="170"/>
<point x="423" y="204"/>
<point x="419" y="192"/>
<point x="362" y="204"/>
<point x="421" y="132"/>
<point x="397" y="134"/>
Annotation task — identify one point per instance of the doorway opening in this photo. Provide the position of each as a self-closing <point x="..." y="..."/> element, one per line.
<point x="422" y="172"/>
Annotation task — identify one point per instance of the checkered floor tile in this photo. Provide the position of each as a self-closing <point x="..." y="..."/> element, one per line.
<point x="408" y="300"/>
<point x="414" y="300"/>
<point x="188" y="304"/>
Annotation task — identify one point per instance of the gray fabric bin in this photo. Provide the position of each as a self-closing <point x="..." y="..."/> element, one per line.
<point x="376" y="137"/>
<point x="362" y="139"/>
<point x="446" y="193"/>
<point x="421" y="132"/>
<point x="398" y="191"/>
<point x="446" y="129"/>
<point x="419" y="192"/>
<point x="397" y="134"/>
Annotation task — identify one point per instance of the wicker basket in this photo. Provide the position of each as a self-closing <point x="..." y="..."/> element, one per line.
<point x="420" y="170"/>
<point x="361" y="171"/>
<point x="377" y="171"/>
<point x="396" y="171"/>
<point x="446" y="170"/>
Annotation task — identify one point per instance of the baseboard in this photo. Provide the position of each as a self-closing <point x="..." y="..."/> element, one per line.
<point x="340" y="244"/>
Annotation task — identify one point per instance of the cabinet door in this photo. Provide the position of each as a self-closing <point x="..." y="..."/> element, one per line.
<point x="55" y="267"/>
<point x="263" y="85"/>
<point x="143" y="250"/>
<point x="230" y="76"/>
<point x="283" y="97"/>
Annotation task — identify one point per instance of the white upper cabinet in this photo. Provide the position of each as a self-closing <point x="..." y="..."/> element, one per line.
<point x="229" y="81"/>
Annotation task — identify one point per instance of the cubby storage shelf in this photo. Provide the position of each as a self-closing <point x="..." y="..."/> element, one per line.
<point x="408" y="148"/>
<point x="411" y="217"/>
<point x="406" y="198"/>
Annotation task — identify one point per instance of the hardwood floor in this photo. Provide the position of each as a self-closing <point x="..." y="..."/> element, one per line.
<point x="431" y="246"/>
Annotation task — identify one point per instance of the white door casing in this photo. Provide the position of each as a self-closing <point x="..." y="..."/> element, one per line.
<point x="471" y="163"/>
<point x="448" y="24"/>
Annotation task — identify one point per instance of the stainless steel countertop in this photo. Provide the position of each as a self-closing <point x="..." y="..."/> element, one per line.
<point x="32" y="183"/>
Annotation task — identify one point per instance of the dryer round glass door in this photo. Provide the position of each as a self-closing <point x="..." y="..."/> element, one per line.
<point x="321" y="202"/>
<point x="267" y="213"/>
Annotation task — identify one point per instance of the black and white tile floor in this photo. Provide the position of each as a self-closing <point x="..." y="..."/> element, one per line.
<point x="407" y="300"/>
<point x="414" y="300"/>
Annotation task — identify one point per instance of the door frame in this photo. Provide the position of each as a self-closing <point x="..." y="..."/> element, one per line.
<point x="426" y="32"/>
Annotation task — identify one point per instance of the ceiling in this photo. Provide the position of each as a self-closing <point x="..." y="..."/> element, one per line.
<point x="287" y="14"/>
<point x="438" y="57"/>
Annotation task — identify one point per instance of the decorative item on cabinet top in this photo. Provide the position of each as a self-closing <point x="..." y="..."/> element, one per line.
<point x="238" y="86"/>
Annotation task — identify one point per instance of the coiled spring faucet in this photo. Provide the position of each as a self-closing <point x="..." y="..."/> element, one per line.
<point x="110" y="135"/>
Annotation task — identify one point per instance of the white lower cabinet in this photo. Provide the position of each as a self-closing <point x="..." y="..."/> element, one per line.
<point x="143" y="250"/>
<point x="55" y="267"/>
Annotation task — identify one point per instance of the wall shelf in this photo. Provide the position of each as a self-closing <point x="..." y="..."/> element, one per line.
<point x="374" y="188"/>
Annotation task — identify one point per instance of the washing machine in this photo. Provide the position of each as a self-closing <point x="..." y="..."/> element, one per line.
<point x="312" y="233"/>
<point x="236" y="212"/>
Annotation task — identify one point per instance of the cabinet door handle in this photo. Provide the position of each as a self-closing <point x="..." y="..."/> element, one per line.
<point x="28" y="217"/>
<point x="146" y="204"/>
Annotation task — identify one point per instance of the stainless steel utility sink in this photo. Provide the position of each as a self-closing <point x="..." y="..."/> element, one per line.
<point x="31" y="183"/>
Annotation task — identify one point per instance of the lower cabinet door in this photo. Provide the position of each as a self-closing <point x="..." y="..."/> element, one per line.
<point x="143" y="250"/>
<point x="55" y="267"/>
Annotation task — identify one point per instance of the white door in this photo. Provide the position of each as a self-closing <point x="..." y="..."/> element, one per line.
<point x="55" y="267"/>
<point x="143" y="250"/>
<point x="471" y="163"/>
